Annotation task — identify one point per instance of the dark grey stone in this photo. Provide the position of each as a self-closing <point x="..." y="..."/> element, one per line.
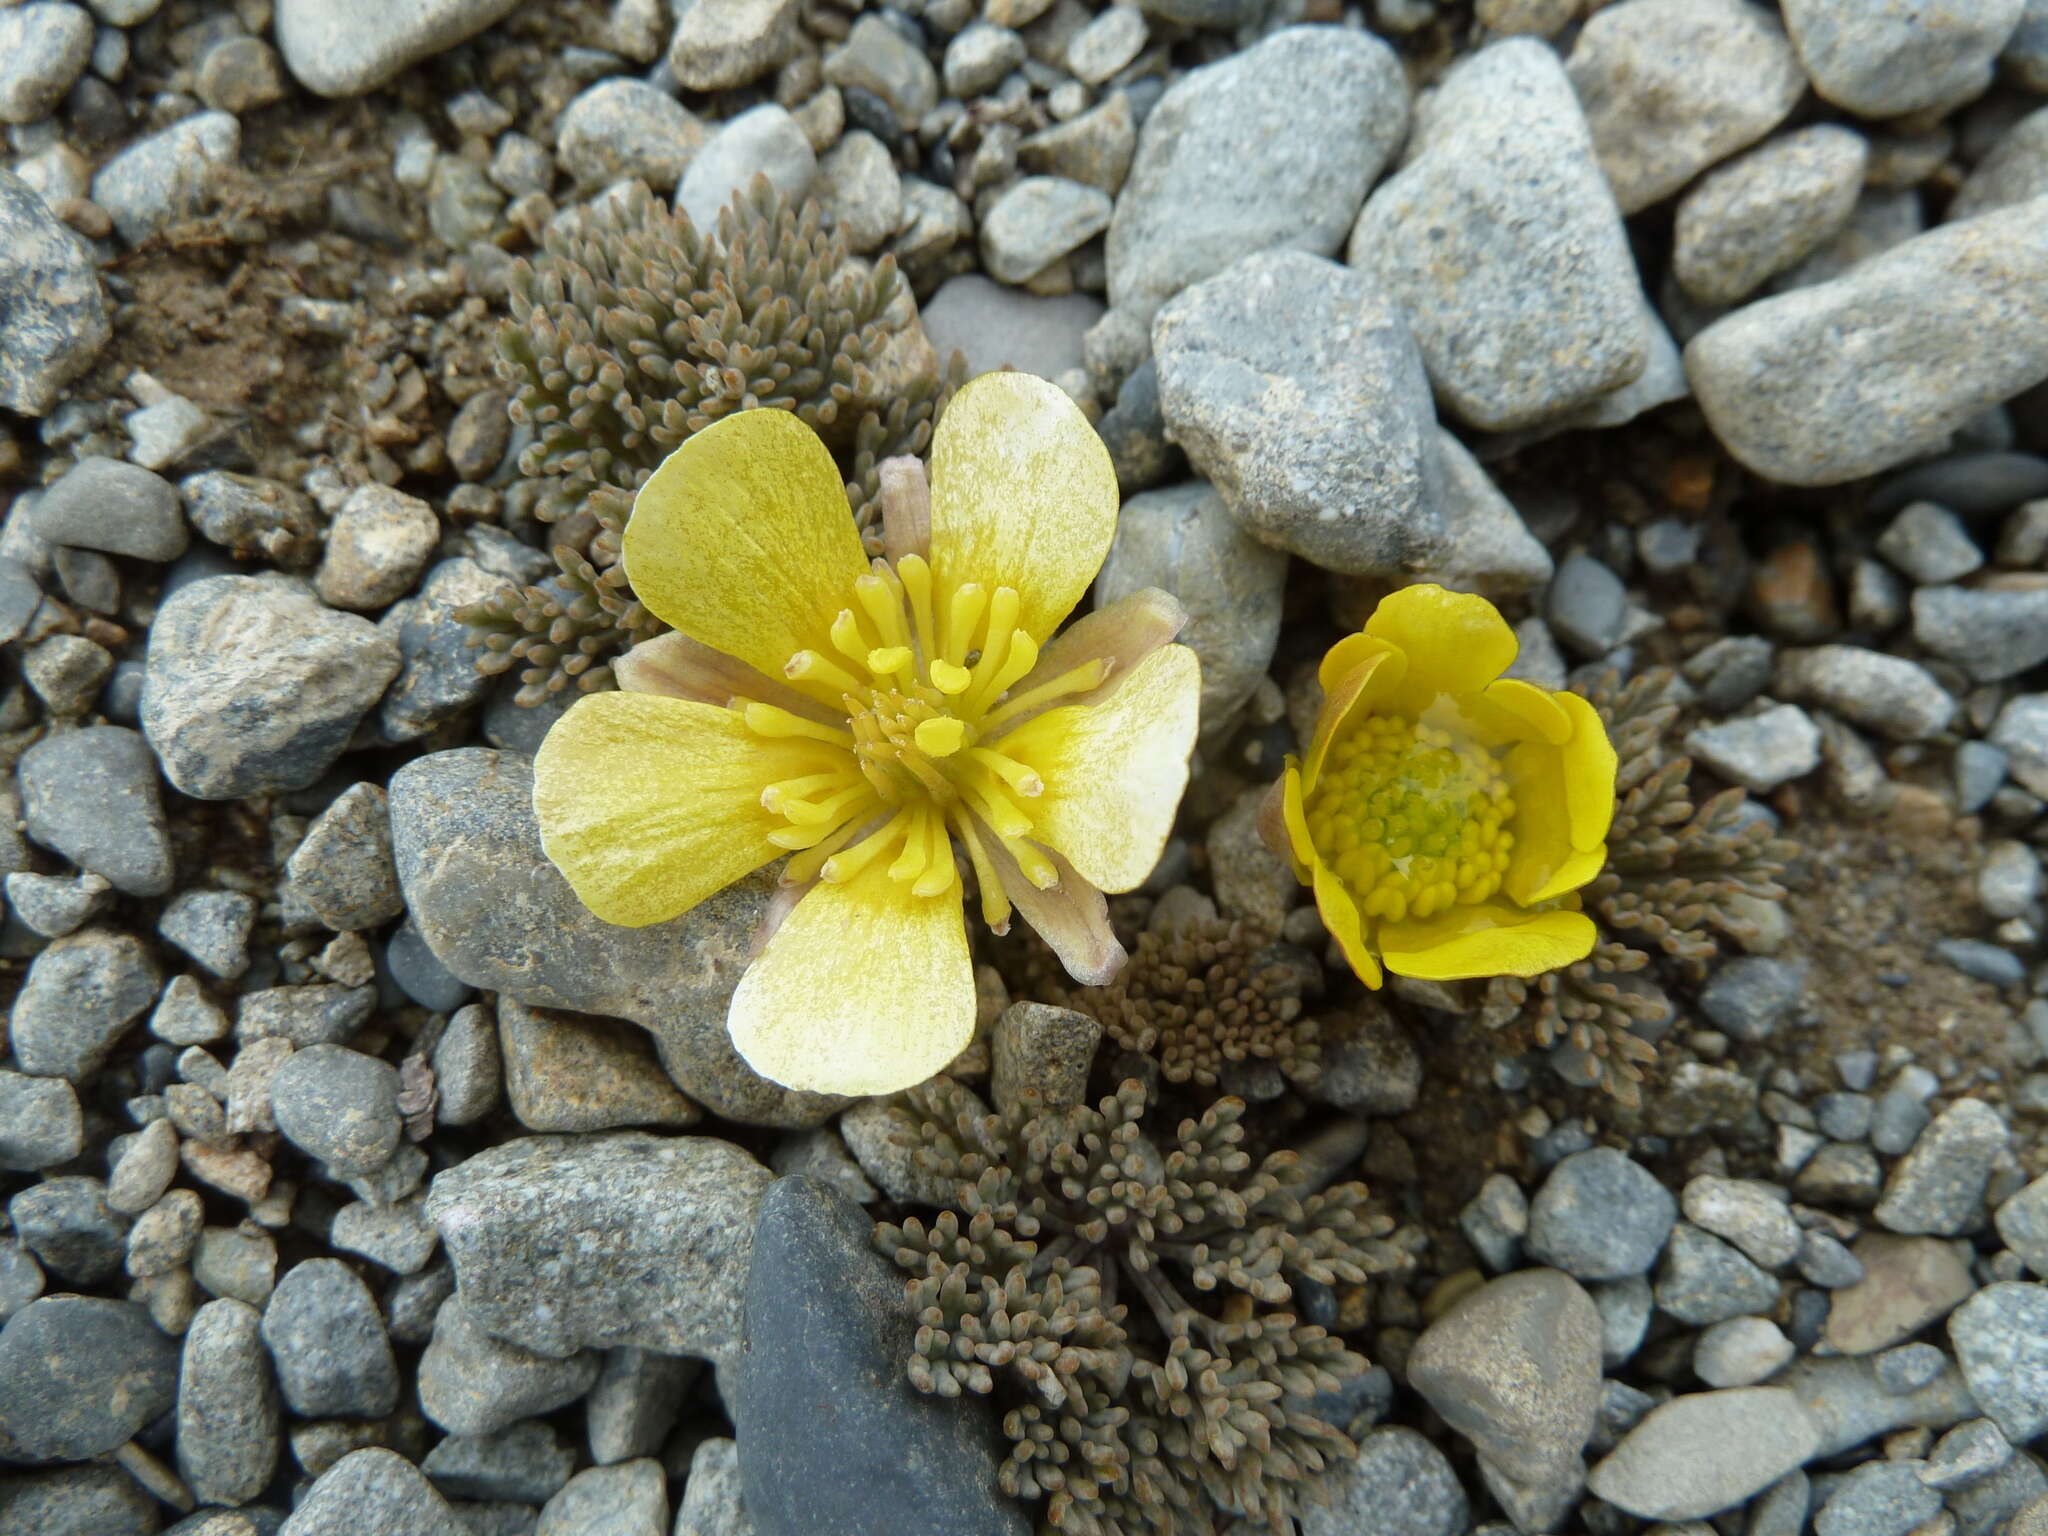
<point x="67" y="1223"/>
<point x="829" y="1429"/>
<point x="212" y="927"/>
<point x="373" y="1492"/>
<point x="230" y="1426"/>
<point x="437" y="676"/>
<point x="92" y="795"/>
<point x="327" y="1338"/>
<point x="1398" y="1484"/>
<point x="115" y="507"/>
<point x="342" y="869"/>
<point x="53" y="317"/>
<point x="1704" y="1280"/>
<point x="1600" y="1216"/>
<point x="80" y="1375"/>
<point x="524" y="1463"/>
<point x="81" y="993"/>
<point x="94" y="1500"/>
<point x="473" y="1384"/>
<point x="40" y="1122"/>
<point x="1752" y="996"/>
<point x="340" y="1106"/>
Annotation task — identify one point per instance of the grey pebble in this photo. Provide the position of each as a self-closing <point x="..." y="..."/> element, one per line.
<point x="1753" y="996"/>
<point x="998" y="326"/>
<point x="576" y="1072"/>
<point x="1740" y="1352"/>
<point x="314" y="1014"/>
<point x="1825" y="1262"/>
<point x="2001" y="1341"/>
<point x="340" y="1106"/>
<point x="1908" y="1368"/>
<point x="733" y="44"/>
<point x="419" y="973"/>
<point x="81" y="993"/>
<point x="627" y="130"/>
<point x="635" y="1403"/>
<point x="1990" y="963"/>
<point x="1600" y="1216"/>
<point x="212" y="927"/>
<point x="630" y="1499"/>
<point x="377" y="546"/>
<point x="437" y="675"/>
<point x="1761" y="751"/>
<point x="229" y="1420"/>
<point x="144" y="1170"/>
<point x="1897" y="698"/>
<point x="1888" y="61"/>
<point x="345" y="53"/>
<point x="1037" y="221"/>
<point x="1929" y="543"/>
<point x="1879" y="1498"/>
<point x="1971" y="1451"/>
<point x="253" y="518"/>
<point x="1939" y="1185"/>
<point x="1348" y="475"/>
<point x="1398" y="1483"/>
<point x="712" y="1502"/>
<point x="1704" y="1280"/>
<point x="342" y="869"/>
<point x="763" y="140"/>
<point x="397" y="1236"/>
<point x="1704" y="1452"/>
<point x="877" y="57"/>
<point x="254" y="685"/>
<point x="185" y="1016"/>
<point x="163" y="1236"/>
<point x="1272" y="147"/>
<point x="2009" y="879"/>
<point x="171" y="175"/>
<point x="372" y="1492"/>
<point x="1672" y="86"/>
<point x="468" y="1068"/>
<point x="40" y="1122"/>
<point x="44" y="48"/>
<point x="327" y="1338"/>
<point x="67" y="672"/>
<point x="1766" y="211"/>
<point x="2022" y="1220"/>
<point x="80" y="1375"/>
<point x="1557" y="301"/>
<point x="118" y="508"/>
<point x="525" y="1463"/>
<point x="473" y="1384"/>
<point x="1992" y="635"/>
<point x="50" y="292"/>
<point x="240" y="1264"/>
<point x="1751" y="1215"/>
<point x="97" y="1499"/>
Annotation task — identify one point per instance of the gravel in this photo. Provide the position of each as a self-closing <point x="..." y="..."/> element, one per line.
<point x="473" y="1384"/>
<point x="2001" y="1342"/>
<point x="1897" y="698"/>
<point x="1991" y="635"/>
<point x="1761" y="751"/>
<point x="1500" y="240"/>
<point x="347" y="52"/>
<point x="1752" y="997"/>
<point x="763" y="140"/>
<point x="1037" y="221"/>
<point x="574" y="1072"/>
<point x="1294" y="386"/>
<point x="82" y="992"/>
<point x="1938" y="1187"/>
<point x="43" y="49"/>
<point x="717" y="47"/>
<point x="1398" y="1483"/>
<point x="630" y="1499"/>
<point x="169" y="176"/>
<point x="340" y="1106"/>
<point x="1766" y="211"/>
<point x="626" y="130"/>
<point x="373" y="1492"/>
<point x="229" y="1421"/>
<point x="40" y="1122"/>
<point x="526" y="1463"/>
<point x="1907" y="1283"/>
<point x="342" y="871"/>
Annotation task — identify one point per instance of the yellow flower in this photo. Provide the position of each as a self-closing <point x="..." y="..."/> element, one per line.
<point x="859" y="717"/>
<point x="1445" y="814"/>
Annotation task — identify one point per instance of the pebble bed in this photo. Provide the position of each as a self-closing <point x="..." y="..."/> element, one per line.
<point x="359" y="1182"/>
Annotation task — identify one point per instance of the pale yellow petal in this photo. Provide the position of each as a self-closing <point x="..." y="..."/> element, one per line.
<point x="1346" y="656"/>
<point x="648" y="805"/>
<point x="1123" y="634"/>
<point x="743" y="540"/>
<point x="1301" y="850"/>
<point x="1486" y="940"/>
<point x="864" y="989"/>
<point x="1455" y="642"/>
<point x="1114" y="772"/>
<point x="1541" y="823"/>
<point x="1340" y="916"/>
<point x="1023" y="495"/>
<point x="1590" y="765"/>
<point x="1508" y="710"/>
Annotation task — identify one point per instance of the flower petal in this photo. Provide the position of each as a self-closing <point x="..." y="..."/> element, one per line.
<point x="1340" y="916"/>
<point x="1455" y="642"/>
<point x="1114" y="771"/>
<point x="1485" y="940"/>
<point x="1590" y="766"/>
<point x="1123" y="634"/>
<point x="678" y="667"/>
<point x="1541" y="823"/>
<point x="1023" y="495"/>
<point x="1072" y="917"/>
<point x="1346" y="656"/>
<point x="1508" y="710"/>
<point x="648" y="805"/>
<point x="866" y="988"/>
<point x="1301" y="849"/>
<point x="1370" y="684"/>
<point x="743" y="541"/>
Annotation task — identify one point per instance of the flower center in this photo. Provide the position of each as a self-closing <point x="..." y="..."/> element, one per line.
<point x="1412" y="818"/>
<point x="923" y="680"/>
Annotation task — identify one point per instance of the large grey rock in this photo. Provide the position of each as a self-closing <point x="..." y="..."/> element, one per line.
<point x="373" y="1492"/>
<point x="1672" y="86"/>
<point x="342" y="870"/>
<point x="80" y="1375"/>
<point x="171" y="175"/>
<point x="1514" y="1366"/>
<point x="1488" y="549"/>
<point x="1600" y="1216"/>
<point x="1183" y="541"/>
<point x="573" y="1072"/>
<point x="229" y="1423"/>
<point x="1955" y="315"/>
<point x="92" y="796"/>
<point x="81" y="993"/>
<point x="1501" y="240"/>
<point x="96" y="1499"/>
<point x="252" y="684"/>
<point x="1766" y="211"/>
<point x="1900" y="57"/>
<point x="44" y="47"/>
<point x="998" y="327"/>
<point x="1849" y="1402"/>
<point x="1272" y="147"/>
<point x="1990" y="634"/>
<point x="567" y="1242"/>
<point x="1295" y="387"/>
<point x="1705" y="1452"/>
<point x="763" y="140"/>
<point x="829" y="1428"/>
<point x="345" y="51"/>
<point x="498" y="915"/>
<point x="1888" y="694"/>
<point x="731" y="42"/>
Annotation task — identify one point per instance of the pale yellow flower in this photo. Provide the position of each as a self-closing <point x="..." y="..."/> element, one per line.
<point x="1445" y="814"/>
<point x="859" y="717"/>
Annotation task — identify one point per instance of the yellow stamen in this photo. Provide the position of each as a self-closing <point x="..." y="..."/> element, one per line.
<point x="842" y="867"/>
<point x="948" y="678"/>
<point x="810" y="667"/>
<point x="777" y="724"/>
<point x="939" y="875"/>
<point x="1023" y="779"/>
<point x="940" y="736"/>
<point x="911" y="861"/>
<point x="803" y="866"/>
<point x="1089" y="675"/>
<point x="962" y="614"/>
<point x="916" y="577"/>
<point x="995" y="905"/>
<point x="886" y="660"/>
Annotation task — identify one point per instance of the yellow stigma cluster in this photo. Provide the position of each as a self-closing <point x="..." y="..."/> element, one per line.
<point x="914" y="692"/>
<point x="1411" y="818"/>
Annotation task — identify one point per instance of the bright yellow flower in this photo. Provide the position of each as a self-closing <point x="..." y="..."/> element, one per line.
<point x="1445" y="814"/>
<point x="858" y="717"/>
